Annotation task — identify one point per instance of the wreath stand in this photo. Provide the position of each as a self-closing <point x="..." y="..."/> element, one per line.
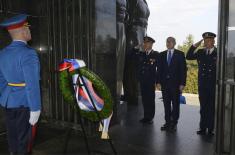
<point x="68" y="132"/>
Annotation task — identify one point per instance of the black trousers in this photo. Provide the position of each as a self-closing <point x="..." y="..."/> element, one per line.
<point x="171" y="100"/>
<point x="148" y="98"/>
<point x="207" y="105"/>
<point x="18" y="129"/>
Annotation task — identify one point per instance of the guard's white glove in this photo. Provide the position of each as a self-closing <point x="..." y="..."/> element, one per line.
<point x="34" y="116"/>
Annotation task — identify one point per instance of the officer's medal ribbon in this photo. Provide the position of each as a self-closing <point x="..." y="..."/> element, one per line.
<point x="152" y="61"/>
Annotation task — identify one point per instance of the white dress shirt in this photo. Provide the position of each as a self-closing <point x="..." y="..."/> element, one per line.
<point x="210" y="50"/>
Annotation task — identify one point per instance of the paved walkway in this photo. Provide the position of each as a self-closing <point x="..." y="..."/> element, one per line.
<point x="130" y="136"/>
<point x="191" y="99"/>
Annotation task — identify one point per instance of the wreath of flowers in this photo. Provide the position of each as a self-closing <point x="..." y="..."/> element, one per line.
<point x="66" y="87"/>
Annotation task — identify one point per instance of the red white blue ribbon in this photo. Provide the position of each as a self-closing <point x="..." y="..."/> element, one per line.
<point x="71" y="64"/>
<point x="83" y="100"/>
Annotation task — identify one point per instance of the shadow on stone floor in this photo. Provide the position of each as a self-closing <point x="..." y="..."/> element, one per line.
<point x="129" y="136"/>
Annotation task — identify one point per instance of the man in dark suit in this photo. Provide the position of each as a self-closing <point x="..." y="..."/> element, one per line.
<point x="147" y="62"/>
<point x="206" y="58"/>
<point x="172" y="72"/>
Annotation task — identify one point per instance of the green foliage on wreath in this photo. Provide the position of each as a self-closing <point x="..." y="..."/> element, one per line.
<point x="65" y="82"/>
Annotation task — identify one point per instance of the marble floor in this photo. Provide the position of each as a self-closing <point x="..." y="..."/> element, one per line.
<point x="129" y="136"/>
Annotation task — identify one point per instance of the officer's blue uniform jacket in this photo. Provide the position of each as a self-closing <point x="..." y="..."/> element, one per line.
<point x="19" y="64"/>
<point x="206" y="65"/>
<point x="147" y="65"/>
<point x="147" y="69"/>
<point x="206" y="84"/>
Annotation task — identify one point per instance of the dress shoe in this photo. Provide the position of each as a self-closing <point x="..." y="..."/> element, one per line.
<point x="123" y="98"/>
<point x="201" y="132"/>
<point x="165" y="127"/>
<point x="173" y="128"/>
<point x="142" y="120"/>
<point x="210" y="133"/>
<point x="146" y="121"/>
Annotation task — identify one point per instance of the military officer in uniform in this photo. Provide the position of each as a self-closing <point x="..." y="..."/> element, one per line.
<point x="147" y="62"/>
<point x="206" y="58"/>
<point x="19" y="84"/>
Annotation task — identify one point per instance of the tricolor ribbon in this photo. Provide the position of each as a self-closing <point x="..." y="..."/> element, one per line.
<point x="104" y="127"/>
<point x="83" y="99"/>
<point x="71" y="64"/>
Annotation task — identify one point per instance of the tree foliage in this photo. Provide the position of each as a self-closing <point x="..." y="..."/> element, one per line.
<point x="192" y="73"/>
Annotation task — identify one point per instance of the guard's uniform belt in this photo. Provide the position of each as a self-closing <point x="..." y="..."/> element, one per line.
<point x="17" y="84"/>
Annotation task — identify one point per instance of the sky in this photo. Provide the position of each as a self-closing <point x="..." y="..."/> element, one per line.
<point x="179" y="18"/>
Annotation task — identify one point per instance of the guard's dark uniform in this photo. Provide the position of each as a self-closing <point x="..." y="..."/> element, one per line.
<point x="147" y="76"/>
<point x="206" y="84"/>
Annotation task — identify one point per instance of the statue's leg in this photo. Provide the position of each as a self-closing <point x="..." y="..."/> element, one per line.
<point x="130" y="82"/>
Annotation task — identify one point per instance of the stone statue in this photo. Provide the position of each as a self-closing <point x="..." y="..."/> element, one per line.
<point x="138" y="21"/>
<point x="135" y="31"/>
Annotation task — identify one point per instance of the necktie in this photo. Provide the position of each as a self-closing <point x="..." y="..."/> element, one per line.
<point x="169" y="58"/>
<point x="147" y="52"/>
<point x="207" y="52"/>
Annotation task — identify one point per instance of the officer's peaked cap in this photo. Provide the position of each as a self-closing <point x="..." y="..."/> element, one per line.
<point x="208" y="35"/>
<point x="149" y="39"/>
<point x="15" y="22"/>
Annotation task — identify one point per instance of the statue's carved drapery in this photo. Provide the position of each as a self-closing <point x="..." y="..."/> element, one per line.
<point x="121" y="42"/>
<point x="135" y="31"/>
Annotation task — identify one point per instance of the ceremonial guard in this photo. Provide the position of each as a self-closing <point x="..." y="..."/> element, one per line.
<point x="147" y="63"/>
<point x="206" y="58"/>
<point x="19" y="84"/>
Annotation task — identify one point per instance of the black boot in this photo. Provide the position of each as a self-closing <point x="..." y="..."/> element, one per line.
<point x="201" y="132"/>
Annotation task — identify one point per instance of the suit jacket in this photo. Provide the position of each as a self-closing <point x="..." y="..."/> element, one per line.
<point x="206" y="64"/>
<point x="175" y="74"/>
<point x="19" y="64"/>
